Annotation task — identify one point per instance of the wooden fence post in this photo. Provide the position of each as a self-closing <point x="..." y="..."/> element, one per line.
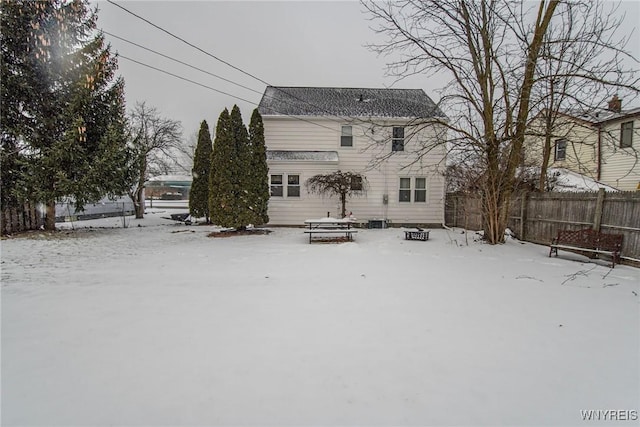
<point x="523" y="215"/>
<point x="597" y="219"/>
<point x="455" y="210"/>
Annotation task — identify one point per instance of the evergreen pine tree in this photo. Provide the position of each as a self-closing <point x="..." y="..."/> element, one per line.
<point x="221" y="187"/>
<point x="199" y="194"/>
<point x="67" y="114"/>
<point x="258" y="171"/>
<point x="240" y="169"/>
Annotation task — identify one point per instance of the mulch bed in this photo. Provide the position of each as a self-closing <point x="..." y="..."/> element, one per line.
<point x="231" y="233"/>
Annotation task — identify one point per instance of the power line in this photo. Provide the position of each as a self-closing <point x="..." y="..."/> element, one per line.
<point x="184" y="78"/>
<point x="194" y="67"/>
<point x="182" y="62"/>
<point x="228" y="63"/>
<point x="188" y="43"/>
<point x="217" y="90"/>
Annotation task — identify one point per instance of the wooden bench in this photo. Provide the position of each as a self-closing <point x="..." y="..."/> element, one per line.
<point x="348" y="232"/>
<point x="588" y="240"/>
<point x="418" y="234"/>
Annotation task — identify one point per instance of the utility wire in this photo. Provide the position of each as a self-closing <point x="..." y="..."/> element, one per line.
<point x="195" y="68"/>
<point x="181" y="62"/>
<point x="226" y="62"/>
<point x="184" y="78"/>
<point x="188" y="43"/>
<point x="217" y="90"/>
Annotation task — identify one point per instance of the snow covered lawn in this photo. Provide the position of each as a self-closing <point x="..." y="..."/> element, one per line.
<point x="160" y="325"/>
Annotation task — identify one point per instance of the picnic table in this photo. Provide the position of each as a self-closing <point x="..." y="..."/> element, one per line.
<point x="330" y="226"/>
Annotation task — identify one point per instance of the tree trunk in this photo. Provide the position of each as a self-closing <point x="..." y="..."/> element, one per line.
<point x="546" y="155"/>
<point x="343" y="199"/>
<point x="137" y="197"/>
<point x="50" y="219"/>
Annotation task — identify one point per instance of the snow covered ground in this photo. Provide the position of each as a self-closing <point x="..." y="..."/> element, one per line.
<point x="161" y="325"/>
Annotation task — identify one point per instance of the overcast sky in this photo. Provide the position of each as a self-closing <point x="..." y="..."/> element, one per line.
<point x="283" y="43"/>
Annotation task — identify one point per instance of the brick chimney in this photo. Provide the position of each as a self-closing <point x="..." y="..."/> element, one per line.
<point x="615" y="104"/>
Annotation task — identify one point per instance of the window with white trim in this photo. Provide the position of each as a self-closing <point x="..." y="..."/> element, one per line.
<point x="276" y="186"/>
<point x="346" y="136"/>
<point x="405" y="190"/>
<point x="416" y="186"/>
<point x="293" y="185"/>
<point x="420" y="192"/>
<point x="560" y="150"/>
<point x="397" y="140"/>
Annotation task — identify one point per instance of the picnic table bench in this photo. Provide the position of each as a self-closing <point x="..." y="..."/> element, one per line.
<point x="590" y="241"/>
<point x="330" y="226"/>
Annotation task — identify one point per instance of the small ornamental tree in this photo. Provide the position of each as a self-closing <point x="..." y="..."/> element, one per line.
<point x="342" y="184"/>
<point x="199" y="194"/>
<point x="258" y="171"/>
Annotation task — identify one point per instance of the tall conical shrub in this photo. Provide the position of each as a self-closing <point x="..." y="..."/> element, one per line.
<point x="258" y="171"/>
<point x="199" y="194"/>
<point x="221" y="187"/>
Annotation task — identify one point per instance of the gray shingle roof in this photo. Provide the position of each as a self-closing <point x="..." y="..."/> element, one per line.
<point x="347" y="102"/>
<point x="310" y="156"/>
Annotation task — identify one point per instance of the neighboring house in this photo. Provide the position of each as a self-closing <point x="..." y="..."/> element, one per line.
<point x="168" y="187"/>
<point x="604" y="146"/>
<point x="375" y="132"/>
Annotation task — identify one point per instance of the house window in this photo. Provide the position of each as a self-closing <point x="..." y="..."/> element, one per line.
<point x="276" y="185"/>
<point x="405" y="190"/>
<point x="397" y="141"/>
<point x="420" y="192"/>
<point x="293" y="186"/>
<point x="560" y="152"/>
<point x="626" y="135"/>
<point x="356" y="183"/>
<point x="346" y="136"/>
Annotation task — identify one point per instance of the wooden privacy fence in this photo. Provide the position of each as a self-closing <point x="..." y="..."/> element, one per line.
<point x="537" y="217"/>
<point x="15" y="220"/>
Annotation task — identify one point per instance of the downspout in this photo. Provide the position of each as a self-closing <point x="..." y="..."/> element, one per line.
<point x="599" y="154"/>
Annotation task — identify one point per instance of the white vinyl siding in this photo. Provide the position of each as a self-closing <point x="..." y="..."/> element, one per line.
<point x="285" y="133"/>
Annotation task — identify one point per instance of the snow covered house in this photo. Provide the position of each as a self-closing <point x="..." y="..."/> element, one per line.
<point x="379" y="133"/>
<point x="604" y="146"/>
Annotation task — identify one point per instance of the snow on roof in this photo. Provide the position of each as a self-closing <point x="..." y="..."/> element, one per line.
<point x="566" y="180"/>
<point x="308" y="156"/>
<point x="349" y="102"/>
<point x="606" y="115"/>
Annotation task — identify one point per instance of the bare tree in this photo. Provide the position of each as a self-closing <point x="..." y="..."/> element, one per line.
<point x="341" y="184"/>
<point x="153" y="140"/>
<point x="491" y="50"/>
